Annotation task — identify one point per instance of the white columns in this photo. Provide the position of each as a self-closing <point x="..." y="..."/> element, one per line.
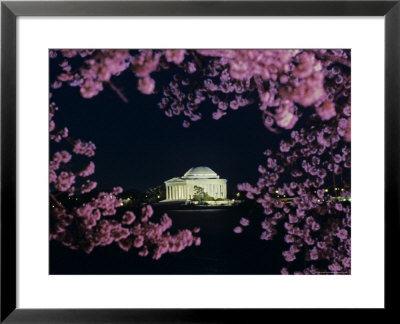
<point x="178" y="190"/>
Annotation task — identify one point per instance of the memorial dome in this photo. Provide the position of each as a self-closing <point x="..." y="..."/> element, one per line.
<point x="201" y="172"/>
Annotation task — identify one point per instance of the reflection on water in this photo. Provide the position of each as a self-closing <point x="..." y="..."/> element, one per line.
<point x="221" y="251"/>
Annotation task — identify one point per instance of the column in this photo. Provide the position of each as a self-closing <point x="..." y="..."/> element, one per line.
<point x="167" y="193"/>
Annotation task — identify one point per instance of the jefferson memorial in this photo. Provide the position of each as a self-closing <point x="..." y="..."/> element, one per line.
<point x="182" y="188"/>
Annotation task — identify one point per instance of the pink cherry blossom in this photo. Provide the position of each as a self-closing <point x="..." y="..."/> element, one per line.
<point x="146" y="85"/>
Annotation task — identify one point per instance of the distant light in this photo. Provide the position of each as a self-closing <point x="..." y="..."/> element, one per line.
<point x="276" y="191"/>
<point x="326" y="190"/>
<point x="158" y="196"/>
<point x="122" y="204"/>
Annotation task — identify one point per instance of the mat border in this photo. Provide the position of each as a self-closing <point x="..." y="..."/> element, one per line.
<point x="10" y="10"/>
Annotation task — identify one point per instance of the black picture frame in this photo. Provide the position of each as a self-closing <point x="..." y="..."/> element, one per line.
<point x="10" y="10"/>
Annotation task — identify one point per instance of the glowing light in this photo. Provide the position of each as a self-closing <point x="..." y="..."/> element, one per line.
<point x="326" y="190"/>
<point x="276" y="191"/>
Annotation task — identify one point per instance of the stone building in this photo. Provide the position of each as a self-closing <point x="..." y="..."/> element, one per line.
<point x="182" y="188"/>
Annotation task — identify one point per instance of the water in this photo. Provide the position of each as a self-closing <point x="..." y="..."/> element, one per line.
<point x="222" y="251"/>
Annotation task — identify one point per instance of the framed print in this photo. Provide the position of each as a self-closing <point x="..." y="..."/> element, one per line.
<point x="179" y="155"/>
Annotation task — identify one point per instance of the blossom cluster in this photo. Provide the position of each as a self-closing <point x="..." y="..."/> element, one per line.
<point x="60" y="176"/>
<point x="304" y="190"/>
<point x="92" y="224"/>
<point x="285" y="81"/>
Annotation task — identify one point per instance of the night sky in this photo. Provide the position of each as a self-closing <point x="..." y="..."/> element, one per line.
<point x="139" y="147"/>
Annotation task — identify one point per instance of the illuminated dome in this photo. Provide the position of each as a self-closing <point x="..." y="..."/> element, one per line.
<point x="201" y="172"/>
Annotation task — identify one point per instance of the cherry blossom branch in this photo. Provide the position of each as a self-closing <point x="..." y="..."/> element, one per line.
<point x="117" y="91"/>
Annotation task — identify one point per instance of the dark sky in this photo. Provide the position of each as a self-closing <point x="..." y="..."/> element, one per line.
<point x="139" y="147"/>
